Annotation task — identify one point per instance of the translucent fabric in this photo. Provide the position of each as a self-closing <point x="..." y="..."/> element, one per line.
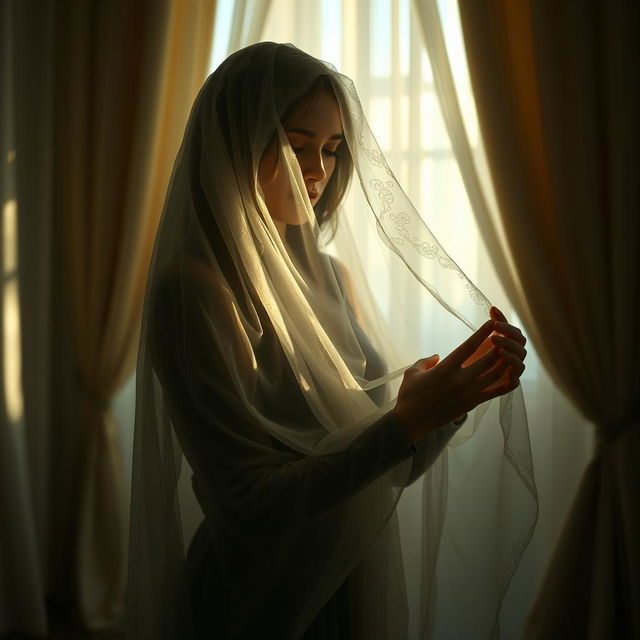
<point x="265" y="364"/>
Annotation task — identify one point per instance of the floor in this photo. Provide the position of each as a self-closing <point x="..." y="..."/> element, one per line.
<point x="69" y="634"/>
<point x="62" y="634"/>
<point x="63" y="630"/>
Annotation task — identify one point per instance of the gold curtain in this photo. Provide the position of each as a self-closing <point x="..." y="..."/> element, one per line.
<point x="557" y="93"/>
<point x="126" y="76"/>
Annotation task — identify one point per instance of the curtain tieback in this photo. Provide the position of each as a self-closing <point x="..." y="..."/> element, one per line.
<point x="94" y="400"/>
<point x="612" y="431"/>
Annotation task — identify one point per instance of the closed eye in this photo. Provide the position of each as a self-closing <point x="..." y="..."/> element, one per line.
<point x="327" y="152"/>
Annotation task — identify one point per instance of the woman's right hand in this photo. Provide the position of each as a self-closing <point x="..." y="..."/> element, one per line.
<point x="433" y="393"/>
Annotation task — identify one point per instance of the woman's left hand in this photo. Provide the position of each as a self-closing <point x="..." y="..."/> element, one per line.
<point x="510" y="343"/>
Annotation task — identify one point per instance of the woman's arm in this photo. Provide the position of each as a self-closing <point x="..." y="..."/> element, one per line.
<point x="431" y="446"/>
<point x="236" y="466"/>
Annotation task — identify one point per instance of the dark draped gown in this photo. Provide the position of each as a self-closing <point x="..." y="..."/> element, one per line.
<point x="378" y="449"/>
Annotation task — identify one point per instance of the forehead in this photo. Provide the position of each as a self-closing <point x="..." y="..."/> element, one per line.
<point x="321" y="115"/>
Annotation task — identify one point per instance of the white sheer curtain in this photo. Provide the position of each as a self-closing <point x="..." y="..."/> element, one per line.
<point x="564" y="446"/>
<point x="378" y="43"/>
<point x="239" y="23"/>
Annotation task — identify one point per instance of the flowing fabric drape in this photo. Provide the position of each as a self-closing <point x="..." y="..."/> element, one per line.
<point x="196" y="308"/>
<point x="126" y="75"/>
<point x="477" y="190"/>
<point x="556" y="87"/>
<point x="380" y="46"/>
<point x="249" y="17"/>
<point x="561" y="454"/>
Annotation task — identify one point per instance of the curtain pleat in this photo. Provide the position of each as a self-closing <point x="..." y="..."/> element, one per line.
<point x="249" y="18"/>
<point x="358" y="37"/>
<point x="557" y="92"/>
<point x="25" y="338"/>
<point x="126" y="76"/>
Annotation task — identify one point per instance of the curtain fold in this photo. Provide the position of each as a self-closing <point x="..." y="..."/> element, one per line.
<point x="557" y="92"/>
<point x="479" y="191"/>
<point x="247" y="25"/>
<point x="25" y="253"/>
<point x="381" y="46"/>
<point x="126" y="76"/>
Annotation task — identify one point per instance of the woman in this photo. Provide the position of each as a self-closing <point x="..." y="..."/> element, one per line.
<point x="254" y="364"/>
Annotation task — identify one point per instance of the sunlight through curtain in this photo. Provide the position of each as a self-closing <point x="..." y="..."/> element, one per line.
<point x="24" y="353"/>
<point x="127" y="75"/>
<point x="381" y="47"/>
<point x="558" y="98"/>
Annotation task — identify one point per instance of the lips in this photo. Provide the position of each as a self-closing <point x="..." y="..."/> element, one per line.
<point x="313" y="195"/>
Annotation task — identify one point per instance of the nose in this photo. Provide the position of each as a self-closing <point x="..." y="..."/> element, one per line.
<point x="313" y="167"/>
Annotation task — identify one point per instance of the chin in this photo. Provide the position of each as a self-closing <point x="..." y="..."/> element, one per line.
<point x="294" y="221"/>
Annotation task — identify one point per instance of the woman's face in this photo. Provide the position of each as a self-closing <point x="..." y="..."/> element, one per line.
<point x="314" y="133"/>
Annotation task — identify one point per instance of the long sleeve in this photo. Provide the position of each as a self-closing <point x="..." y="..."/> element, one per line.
<point x="379" y="448"/>
<point x="237" y="466"/>
<point x="269" y="486"/>
<point x="428" y="449"/>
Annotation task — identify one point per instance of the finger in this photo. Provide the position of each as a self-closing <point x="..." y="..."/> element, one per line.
<point x="510" y="377"/>
<point x="496" y="314"/>
<point x="509" y="345"/>
<point x="506" y="380"/>
<point x="424" y="363"/>
<point x="498" y="390"/>
<point x="509" y="331"/>
<point x="513" y="361"/>
<point x="506" y="383"/>
<point x="483" y="383"/>
<point x="481" y="365"/>
<point x="461" y="353"/>
<point x="514" y="380"/>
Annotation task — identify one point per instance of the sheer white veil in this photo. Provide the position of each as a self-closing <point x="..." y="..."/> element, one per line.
<point x="253" y="358"/>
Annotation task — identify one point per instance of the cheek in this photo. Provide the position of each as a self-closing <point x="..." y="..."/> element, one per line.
<point x="268" y="165"/>
<point x="279" y="199"/>
<point x="269" y="179"/>
<point x="276" y="189"/>
<point x="276" y="194"/>
<point x="330" y="167"/>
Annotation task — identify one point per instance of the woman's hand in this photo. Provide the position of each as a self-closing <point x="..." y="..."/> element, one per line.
<point x="486" y="365"/>
<point x="510" y="340"/>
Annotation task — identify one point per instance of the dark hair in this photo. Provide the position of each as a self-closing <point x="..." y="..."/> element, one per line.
<point x="328" y="203"/>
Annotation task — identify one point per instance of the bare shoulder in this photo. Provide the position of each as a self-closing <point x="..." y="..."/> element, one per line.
<point x="341" y="269"/>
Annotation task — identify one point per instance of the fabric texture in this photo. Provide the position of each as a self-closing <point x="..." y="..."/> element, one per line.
<point x="125" y="77"/>
<point x="267" y="368"/>
<point x="25" y="314"/>
<point x="558" y="95"/>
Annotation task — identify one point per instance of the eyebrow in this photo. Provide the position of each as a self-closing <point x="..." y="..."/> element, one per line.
<point x="312" y="134"/>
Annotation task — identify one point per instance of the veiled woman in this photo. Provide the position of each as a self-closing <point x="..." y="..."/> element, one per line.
<point x="256" y="364"/>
